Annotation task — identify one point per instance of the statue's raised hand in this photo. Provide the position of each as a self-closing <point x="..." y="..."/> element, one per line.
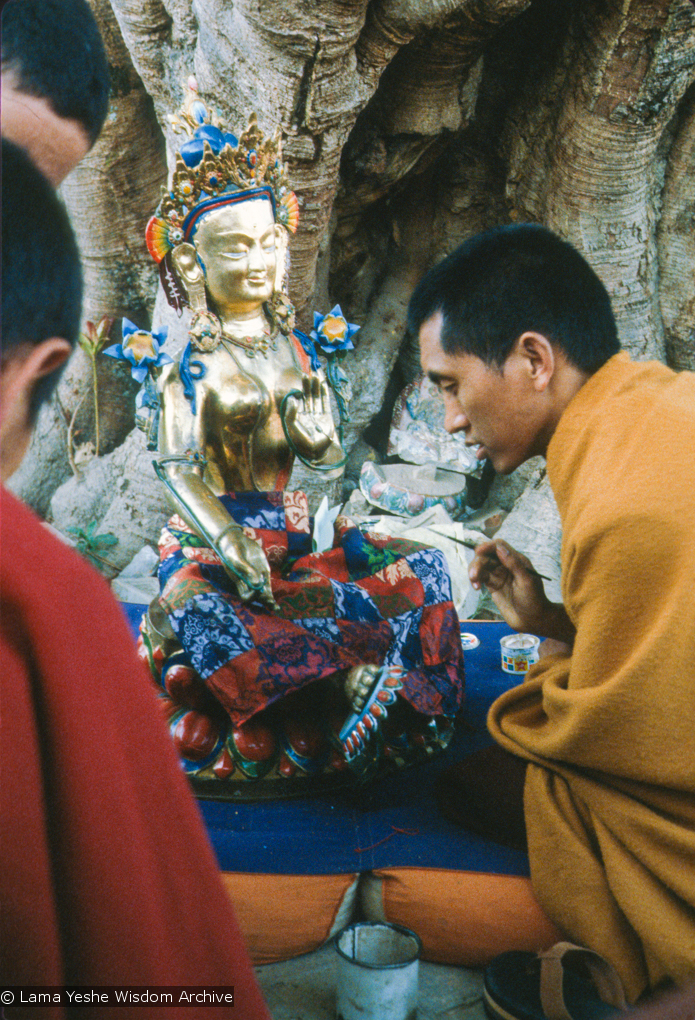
<point x="310" y="423"/>
<point x="246" y="564"/>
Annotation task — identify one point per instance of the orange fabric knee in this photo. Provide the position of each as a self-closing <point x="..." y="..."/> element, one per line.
<point x="463" y="917"/>
<point x="282" y="916"/>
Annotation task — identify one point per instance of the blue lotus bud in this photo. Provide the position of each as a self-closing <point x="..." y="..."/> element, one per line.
<point x="198" y="111"/>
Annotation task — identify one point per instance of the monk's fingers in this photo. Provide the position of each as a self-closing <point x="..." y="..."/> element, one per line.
<point x="486" y="569"/>
<point x="511" y="558"/>
<point x="494" y="576"/>
<point x="497" y="564"/>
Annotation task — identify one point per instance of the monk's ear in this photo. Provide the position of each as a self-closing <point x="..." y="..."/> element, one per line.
<point x="44" y="358"/>
<point x="48" y="356"/>
<point x="538" y="358"/>
<point x="22" y="369"/>
<point x="24" y="366"/>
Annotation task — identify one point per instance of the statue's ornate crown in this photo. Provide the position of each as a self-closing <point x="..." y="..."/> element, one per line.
<point x="213" y="164"/>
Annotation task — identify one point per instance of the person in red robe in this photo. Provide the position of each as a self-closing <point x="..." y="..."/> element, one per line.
<point x="106" y="875"/>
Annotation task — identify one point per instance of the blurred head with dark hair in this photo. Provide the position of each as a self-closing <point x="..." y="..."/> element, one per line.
<point x="41" y="299"/>
<point x="55" y="81"/>
<point x="505" y="281"/>
<point x="510" y="325"/>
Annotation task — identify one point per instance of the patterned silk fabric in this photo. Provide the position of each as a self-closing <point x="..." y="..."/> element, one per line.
<point x="369" y="599"/>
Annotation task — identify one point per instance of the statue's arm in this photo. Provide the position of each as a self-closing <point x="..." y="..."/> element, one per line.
<point x="182" y="467"/>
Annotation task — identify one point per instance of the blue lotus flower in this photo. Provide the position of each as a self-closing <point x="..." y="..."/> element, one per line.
<point x="332" y="332"/>
<point x="141" y="349"/>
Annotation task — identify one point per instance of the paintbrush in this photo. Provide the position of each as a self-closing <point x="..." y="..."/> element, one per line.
<point x="474" y="545"/>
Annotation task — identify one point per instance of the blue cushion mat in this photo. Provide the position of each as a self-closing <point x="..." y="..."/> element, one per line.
<point x="357" y="829"/>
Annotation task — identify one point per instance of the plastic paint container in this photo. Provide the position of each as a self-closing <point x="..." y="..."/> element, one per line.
<point x="519" y="652"/>
<point x="469" y="641"/>
<point x="377" y="972"/>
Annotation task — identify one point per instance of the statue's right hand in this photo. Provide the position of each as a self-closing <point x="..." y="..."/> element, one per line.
<point x="247" y="566"/>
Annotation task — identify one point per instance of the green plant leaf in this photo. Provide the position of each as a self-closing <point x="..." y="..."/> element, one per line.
<point x="106" y="539"/>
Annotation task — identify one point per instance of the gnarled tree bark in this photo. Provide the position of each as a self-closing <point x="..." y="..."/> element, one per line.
<point x="410" y="125"/>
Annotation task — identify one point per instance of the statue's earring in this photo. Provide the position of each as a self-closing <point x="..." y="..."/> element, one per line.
<point x="205" y="329"/>
<point x="185" y="262"/>
<point x="282" y="261"/>
<point x="280" y="309"/>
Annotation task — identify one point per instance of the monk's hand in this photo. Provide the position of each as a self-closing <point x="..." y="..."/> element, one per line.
<point x="247" y="566"/>
<point x="518" y="594"/>
<point x="310" y="423"/>
<point x="553" y="647"/>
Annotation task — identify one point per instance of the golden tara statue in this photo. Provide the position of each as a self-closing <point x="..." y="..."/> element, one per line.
<point x="276" y="660"/>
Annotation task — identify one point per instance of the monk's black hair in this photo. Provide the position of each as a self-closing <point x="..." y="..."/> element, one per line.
<point x="510" y="280"/>
<point x="41" y="272"/>
<point x="55" y="50"/>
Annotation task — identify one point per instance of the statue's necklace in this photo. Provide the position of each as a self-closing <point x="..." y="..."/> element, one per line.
<point x="262" y="342"/>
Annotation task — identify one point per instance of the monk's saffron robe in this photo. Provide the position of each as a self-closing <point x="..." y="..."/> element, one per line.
<point x="609" y="731"/>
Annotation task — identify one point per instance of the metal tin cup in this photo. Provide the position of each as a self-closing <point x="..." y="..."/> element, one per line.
<point x="377" y="972"/>
<point x="519" y="652"/>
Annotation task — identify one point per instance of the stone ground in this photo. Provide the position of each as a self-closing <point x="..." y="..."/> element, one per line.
<point x="304" y="989"/>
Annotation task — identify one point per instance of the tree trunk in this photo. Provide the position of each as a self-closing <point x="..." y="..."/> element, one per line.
<point x="408" y="126"/>
<point x="110" y="197"/>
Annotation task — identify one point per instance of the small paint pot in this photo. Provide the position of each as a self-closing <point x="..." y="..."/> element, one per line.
<point x="519" y="652"/>
<point x="377" y="972"/>
<point x="469" y="641"/>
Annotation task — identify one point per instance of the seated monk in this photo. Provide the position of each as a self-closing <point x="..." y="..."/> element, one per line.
<point x="592" y="767"/>
<point x="276" y="660"/>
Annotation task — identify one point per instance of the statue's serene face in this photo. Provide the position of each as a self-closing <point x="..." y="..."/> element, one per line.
<point x="237" y="246"/>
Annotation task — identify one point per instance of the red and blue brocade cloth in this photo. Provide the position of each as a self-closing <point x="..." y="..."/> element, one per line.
<point x="368" y="600"/>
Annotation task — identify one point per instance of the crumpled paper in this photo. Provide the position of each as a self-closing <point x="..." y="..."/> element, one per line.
<point x="435" y="527"/>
